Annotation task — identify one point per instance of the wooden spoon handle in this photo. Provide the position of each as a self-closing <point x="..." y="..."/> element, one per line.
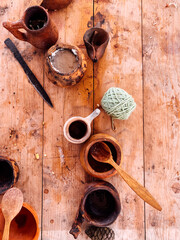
<point x="141" y="191"/>
<point x="6" y="230"/>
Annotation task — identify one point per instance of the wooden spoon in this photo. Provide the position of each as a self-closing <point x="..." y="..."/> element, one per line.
<point x="102" y="153"/>
<point x="11" y="204"/>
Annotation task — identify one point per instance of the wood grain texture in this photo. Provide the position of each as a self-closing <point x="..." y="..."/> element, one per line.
<point x="121" y="66"/>
<point x="64" y="177"/>
<point x="21" y="109"/>
<point x="29" y="127"/>
<point x="161" y="63"/>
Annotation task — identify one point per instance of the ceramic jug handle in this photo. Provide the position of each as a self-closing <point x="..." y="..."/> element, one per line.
<point x="93" y="115"/>
<point x="13" y="28"/>
<point x="76" y="227"/>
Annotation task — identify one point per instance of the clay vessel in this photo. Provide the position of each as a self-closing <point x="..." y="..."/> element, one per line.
<point x="62" y="77"/>
<point x="55" y="4"/>
<point x="78" y="129"/>
<point x="41" y="31"/>
<point x="25" y="226"/>
<point x="96" y="40"/>
<point x="9" y="173"/>
<point x="95" y="168"/>
<point x="100" y="206"/>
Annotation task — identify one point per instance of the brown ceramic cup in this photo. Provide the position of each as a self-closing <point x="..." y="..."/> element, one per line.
<point x="99" y="169"/>
<point x="41" y="32"/>
<point x="100" y="206"/>
<point x="65" y="65"/>
<point x="96" y="40"/>
<point x="9" y="173"/>
<point x="25" y="226"/>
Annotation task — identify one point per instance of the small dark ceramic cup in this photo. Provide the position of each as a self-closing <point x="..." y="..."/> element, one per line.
<point x="96" y="40"/>
<point x="100" y="206"/>
<point x="9" y="173"/>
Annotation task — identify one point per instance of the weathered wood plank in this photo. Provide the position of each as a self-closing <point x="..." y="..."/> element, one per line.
<point x="63" y="174"/>
<point x="21" y="109"/>
<point x="161" y="110"/>
<point x="121" y="66"/>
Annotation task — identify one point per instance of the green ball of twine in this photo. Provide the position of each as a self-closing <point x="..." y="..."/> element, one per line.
<point x="118" y="103"/>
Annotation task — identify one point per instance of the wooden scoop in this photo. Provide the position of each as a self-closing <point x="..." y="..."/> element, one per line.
<point x="102" y="153"/>
<point x="11" y="204"/>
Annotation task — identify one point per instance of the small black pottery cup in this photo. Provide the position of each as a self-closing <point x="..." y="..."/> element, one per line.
<point x="100" y="206"/>
<point x="9" y="173"/>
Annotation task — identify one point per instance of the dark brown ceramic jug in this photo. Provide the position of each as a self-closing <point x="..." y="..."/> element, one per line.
<point x="100" y="206"/>
<point x="41" y="32"/>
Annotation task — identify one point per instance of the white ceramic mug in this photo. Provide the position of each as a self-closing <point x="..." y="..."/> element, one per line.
<point x="78" y="129"/>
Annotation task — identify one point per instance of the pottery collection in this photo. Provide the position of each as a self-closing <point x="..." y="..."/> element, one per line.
<point x="65" y="66"/>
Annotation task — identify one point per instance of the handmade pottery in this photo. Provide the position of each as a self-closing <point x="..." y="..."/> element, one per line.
<point x="55" y="4"/>
<point x="25" y="226"/>
<point x="11" y="205"/>
<point x="100" y="206"/>
<point x="41" y="32"/>
<point x="95" y="168"/>
<point x="9" y="173"/>
<point x="65" y="65"/>
<point x="96" y="40"/>
<point x="78" y="129"/>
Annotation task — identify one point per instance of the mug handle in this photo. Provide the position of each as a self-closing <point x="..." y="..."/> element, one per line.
<point x="76" y="227"/>
<point x="93" y="115"/>
<point x="13" y="28"/>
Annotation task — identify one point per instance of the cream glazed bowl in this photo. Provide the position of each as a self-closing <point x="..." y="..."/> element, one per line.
<point x="78" y="129"/>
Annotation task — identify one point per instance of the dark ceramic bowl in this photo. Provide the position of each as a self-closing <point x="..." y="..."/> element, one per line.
<point x="100" y="206"/>
<point x="9" y="173"/>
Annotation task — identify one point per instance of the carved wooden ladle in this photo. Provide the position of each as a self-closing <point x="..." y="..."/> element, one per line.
<point x="102" y="153"/>
<point x="11" y="204"/>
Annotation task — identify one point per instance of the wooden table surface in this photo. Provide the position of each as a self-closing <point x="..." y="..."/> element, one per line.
<point x="143" y="58"/>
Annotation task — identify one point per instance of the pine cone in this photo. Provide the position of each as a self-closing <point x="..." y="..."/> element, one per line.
<point x="100" y="233"/>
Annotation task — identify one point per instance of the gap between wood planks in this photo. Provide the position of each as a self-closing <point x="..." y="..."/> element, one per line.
<point x="144" y="179"/>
